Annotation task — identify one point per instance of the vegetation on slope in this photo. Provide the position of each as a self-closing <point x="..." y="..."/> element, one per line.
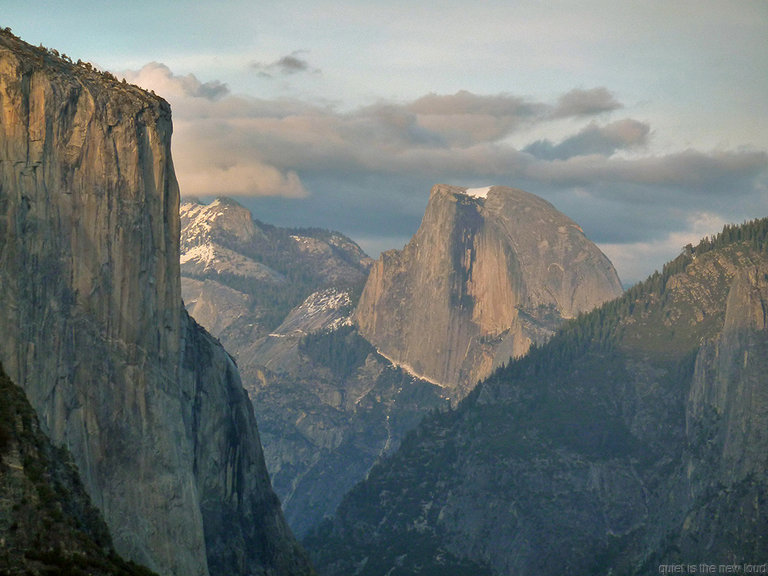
<point x="47" y="522"/>
<point x="569" y="459"/>
<point x="342" y="351"/>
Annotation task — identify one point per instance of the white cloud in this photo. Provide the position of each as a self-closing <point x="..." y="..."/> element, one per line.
<point x="158" y="77"/>
<point x="212" y="152"/>
<point x="364" y="163"/>
<point x="253" y="179"/>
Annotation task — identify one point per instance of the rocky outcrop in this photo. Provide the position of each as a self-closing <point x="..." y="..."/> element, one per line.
<point x="633" y="440"/>
<point x="727" y="428"/>
<point x="729" y="382"/>
<point x="95" y="332"/>
<point x="243" y="524"/>
<point x="488" y="273"/>
<point x="329" y="408"/>
<point x="241" y="277"/>
<point x="221" y="239"/>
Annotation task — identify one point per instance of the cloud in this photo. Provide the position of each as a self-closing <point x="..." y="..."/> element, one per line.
<point x="241" y="179"/>
<point x="367" y="171"/>
<point x="689" y="172"/>
<point x="464" y="102"/>
<point x="593" y="139"/>
<point x="464" y="118"/>
<point x="579" y="102"/>
<point x="167" y="84"/>
<point x="285" y="65"/>
<point x="214" y="153"/>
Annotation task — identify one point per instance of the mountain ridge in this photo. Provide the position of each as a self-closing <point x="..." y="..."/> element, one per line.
<point x="328" y="405"/>
<point x="326" y="418"/>
<point x="488" y="273"/>
<point x="622" y="444"/>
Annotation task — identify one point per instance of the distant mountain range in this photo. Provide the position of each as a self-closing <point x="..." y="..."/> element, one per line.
<point x="635" y="438"/>
<point x="484" y="277"/>
<point x="281" y="302"/>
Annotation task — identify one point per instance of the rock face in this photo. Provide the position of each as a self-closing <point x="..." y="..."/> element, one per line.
<point x="489" y="272"/>
<point x="727" y="426"/>
<point x="281" y="300"/>
<point x="329" y="408"/>
<point x="94" y="329"/>
<point x="47" y="521"/>
<point x="635" y="438"/>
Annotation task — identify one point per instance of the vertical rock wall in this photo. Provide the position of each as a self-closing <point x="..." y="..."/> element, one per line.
<point x="482" y="279"/>
<point x="727" y="412"/>
<point x="92" y="321"/>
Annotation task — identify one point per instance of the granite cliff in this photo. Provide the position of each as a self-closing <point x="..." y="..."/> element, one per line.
<point x="281" y="301"/>
<point x="489" y="272"/>
<point x="94" y="330"/>
<point x="633" y="440"/>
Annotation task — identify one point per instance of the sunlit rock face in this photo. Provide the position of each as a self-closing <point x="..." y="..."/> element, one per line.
<point x="94" y="329"/>
<point x="489" y="272"/>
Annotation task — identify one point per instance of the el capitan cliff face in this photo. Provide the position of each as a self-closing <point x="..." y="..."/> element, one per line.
<point x="488" y="273"/>
<point x="95" y="332"/>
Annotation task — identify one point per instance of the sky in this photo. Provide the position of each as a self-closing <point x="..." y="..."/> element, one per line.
<point x="645" y="122"/>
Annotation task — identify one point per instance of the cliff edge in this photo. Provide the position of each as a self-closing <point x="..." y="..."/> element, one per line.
<point x="489" y="272"/>
<point x="149" y="405"/>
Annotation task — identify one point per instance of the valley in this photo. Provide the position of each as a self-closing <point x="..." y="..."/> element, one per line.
<point x="351" y="369"/>
<point x="187" y="389"/>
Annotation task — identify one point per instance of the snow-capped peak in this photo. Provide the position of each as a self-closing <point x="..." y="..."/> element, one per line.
<point x="478" y="192"/>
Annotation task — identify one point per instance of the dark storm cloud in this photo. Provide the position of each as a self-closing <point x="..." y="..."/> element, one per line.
<point x="289" y="64"/>
<point x="593" y="139"/>
<point x="579" y="102"/>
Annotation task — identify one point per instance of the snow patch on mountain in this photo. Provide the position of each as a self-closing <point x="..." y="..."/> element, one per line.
<point x="197" y="220"/>
<point x="222" y="218"/>
<point x="478" y="192"/>
<point x="203" y="254"/>
<point x="327" y="309"/>
<point x="212" y="258"/>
